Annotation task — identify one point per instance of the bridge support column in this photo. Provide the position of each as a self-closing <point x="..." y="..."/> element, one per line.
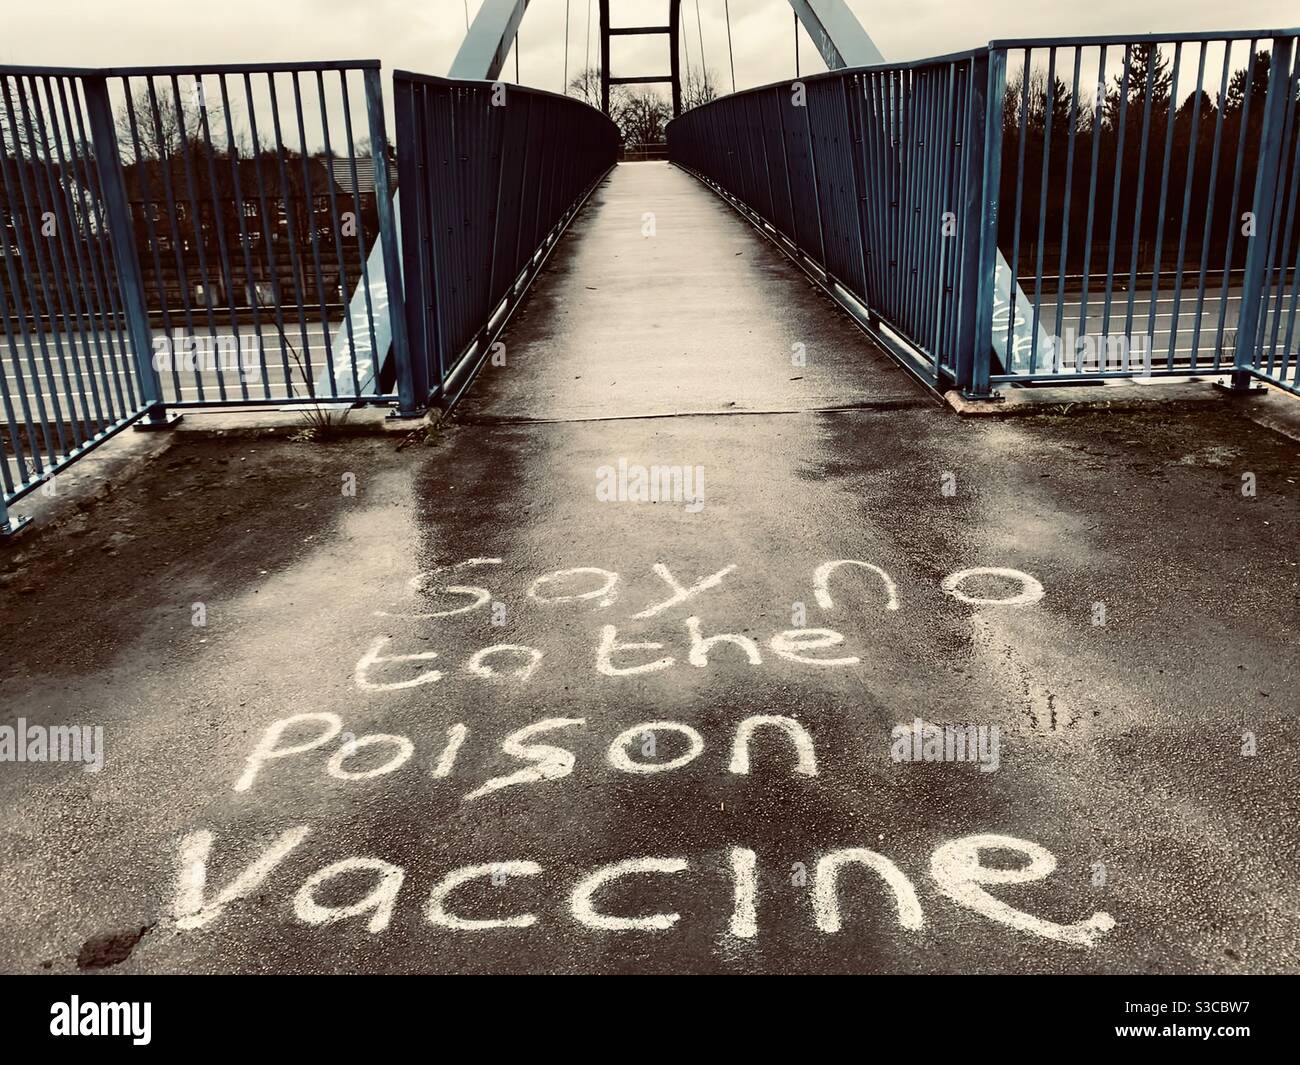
<point x="604" y="56"/>
<point x="671" y="31"/>
<point x="489" y="40"/>
<point x="411" y="402"/>
<point x="837" y="33"/>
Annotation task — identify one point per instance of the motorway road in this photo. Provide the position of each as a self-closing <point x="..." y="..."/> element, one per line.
<point x="94" y="383"/>
<point x="360" y="762"/>
<point x="190" y="384"/>
<point x="219" y="362"/>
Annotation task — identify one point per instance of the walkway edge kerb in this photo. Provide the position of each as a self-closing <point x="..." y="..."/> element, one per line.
<point x="1271" y="408"/>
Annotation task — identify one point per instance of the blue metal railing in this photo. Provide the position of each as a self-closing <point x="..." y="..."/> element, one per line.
<point x="187" y="236"/>
<point x="212" y="235"/>
<point x="209" y="235"/>
<point x="255" y="194"/>
<point x="76" y="366"/>
<point x="491" y="173"/>
<point x="1147" y="182"/>
<point x="1039" y="208"/>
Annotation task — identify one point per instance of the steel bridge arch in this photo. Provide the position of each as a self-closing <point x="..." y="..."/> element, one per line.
<point x="831" y="24"/>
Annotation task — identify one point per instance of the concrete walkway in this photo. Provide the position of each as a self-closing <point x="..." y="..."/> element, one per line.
<point x="626" y="735"/>
<point x="662" y="300"/>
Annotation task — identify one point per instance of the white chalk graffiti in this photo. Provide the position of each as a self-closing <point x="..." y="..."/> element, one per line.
<point x="379" y="902"/>
<point x="955" y="866"/>
<point x="826" y="903"/>
<point x="192" y="907"/>
<point x="618" y="655"/>
<point x="803" y="744"/>
<point x="549" y="763"/>
<point x="605" y="594"/>
<point x="373" y="658"/>
<point x="961" y="876"/>
<point x="583" y="906"/>
<point x="680" y="593"/>
<point x="436" y="912"/>
<point x="422" y="583"/>
<point x="620" y="759"/>
<point x="546" y="762"/>
<point x="822" y="576"/>
<point x="1030" y="589"/>
<point x="545" y="752"/>
<point x="268" y="747"/>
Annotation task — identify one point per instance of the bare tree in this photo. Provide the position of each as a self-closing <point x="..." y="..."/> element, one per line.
<point x="642" y="116"/>
<point x="161" y="128"/>
<point x="698" y="89"/>
<point x="17" y="133"/>
<point x="585" y="85"/>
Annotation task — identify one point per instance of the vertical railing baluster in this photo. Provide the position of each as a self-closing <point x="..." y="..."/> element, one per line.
<point x="1074" y="114"/>
<point x="196" y="222"/>
<point x="1193" y="142"/>
<point x="218" y="224"/>
<point x="313" y="229"/>
<point x="1266" y="177"/>
<point x="245" y="244"/>
<point x="974" y="334"/>
<point x="109" y="164"/>
<point x="1049" y="101"/>
<point x="410" y="404"/>
<point x="1117" y="186"/>
<point x="376" y="356"/>
<point x="991" y="186"/>
<point x="1248" y="97"/>
<point x="335" y="227"/>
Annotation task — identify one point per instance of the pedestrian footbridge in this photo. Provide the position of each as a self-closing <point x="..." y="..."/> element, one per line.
<point x="1028" y="211"/>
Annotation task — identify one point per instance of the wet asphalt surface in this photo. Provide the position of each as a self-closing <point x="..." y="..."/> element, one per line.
<point x="1121" y="743"/>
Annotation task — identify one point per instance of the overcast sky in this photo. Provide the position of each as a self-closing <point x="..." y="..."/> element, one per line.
<point x="423" y="35"/>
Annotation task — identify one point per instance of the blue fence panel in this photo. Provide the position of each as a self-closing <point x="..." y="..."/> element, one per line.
<point x="491" y="173"/>
<point x="69" y="306"/>
<point x="254" y="195"/>
<point x="865" y="177"/>
<point x="1088" y="207"/>
<point x="188" y="236"/>
<point x="1146" y="191"/>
